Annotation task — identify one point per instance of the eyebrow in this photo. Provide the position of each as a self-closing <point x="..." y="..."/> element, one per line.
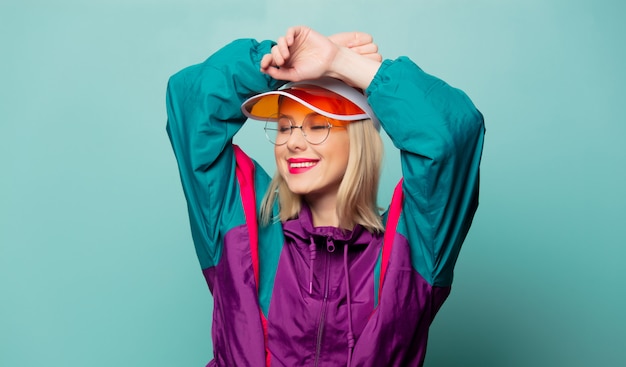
<point x="308" y="115"/>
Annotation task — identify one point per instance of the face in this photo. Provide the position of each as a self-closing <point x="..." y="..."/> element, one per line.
<point x="313" y="171"/>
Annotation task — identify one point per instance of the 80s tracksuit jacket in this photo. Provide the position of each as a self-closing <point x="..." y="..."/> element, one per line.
<point x="290" y="294"/>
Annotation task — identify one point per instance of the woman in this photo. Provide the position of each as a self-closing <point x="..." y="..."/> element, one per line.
<point x="303" y="269"/>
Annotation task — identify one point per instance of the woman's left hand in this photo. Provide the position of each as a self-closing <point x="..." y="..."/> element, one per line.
<point x="359" y="42"/>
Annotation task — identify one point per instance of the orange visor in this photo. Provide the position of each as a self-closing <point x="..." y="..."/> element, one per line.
<point x="328" y="97"/>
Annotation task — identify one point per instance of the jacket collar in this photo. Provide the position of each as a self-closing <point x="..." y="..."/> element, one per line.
<point x="302" y="228"/>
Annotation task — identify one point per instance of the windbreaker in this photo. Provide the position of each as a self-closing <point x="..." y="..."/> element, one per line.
<point x="290" y="294"/>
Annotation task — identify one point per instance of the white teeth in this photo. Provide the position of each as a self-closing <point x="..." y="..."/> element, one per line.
<point x="302" y="164"/>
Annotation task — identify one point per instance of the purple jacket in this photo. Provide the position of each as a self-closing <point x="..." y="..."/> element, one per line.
<point x="293" y="295"/>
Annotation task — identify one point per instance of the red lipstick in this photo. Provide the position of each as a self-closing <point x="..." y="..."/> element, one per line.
<point x="300" y="165"/>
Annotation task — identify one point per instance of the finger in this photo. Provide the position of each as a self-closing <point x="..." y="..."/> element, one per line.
<point x="282" y="74"/>
<point x="375" y="57"/>
<point x="351" y="39"/>
<point x="291" y="35"/>
<point x="267" y="61"/>
<point x="277" y="56"/>
<point x="362" y="38"/>
<point x="359" y="39"/>
<point x="341" y="39"/>
<point x="282" y="47"/>
<point x="370" y="48"/>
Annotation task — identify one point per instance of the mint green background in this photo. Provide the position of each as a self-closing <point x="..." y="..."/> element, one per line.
<point x="96" y="262"/>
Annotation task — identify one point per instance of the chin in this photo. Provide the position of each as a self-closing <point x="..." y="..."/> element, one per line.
<point x="299" y="190"/>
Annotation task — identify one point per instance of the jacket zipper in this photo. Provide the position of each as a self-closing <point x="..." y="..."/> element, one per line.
<point x="320" y="329"/>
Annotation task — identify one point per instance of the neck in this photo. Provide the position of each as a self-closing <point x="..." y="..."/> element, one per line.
<point x="323" y="210"/>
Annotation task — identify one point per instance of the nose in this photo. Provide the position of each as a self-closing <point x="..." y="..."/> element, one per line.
<point x="296" y="140"/>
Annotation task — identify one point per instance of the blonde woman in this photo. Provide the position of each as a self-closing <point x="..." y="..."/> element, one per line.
<point x="303" y="269"/>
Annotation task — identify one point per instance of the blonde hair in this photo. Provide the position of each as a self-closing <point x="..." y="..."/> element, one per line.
<point x="356" y="198"/>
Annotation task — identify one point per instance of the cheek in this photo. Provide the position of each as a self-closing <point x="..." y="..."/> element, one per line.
<point x="345" y="151"/>
<point x="278" y="157"/>
<point x="346" y="158"/>
<point x="279" y="152"/>
<point x="338" y="153"/>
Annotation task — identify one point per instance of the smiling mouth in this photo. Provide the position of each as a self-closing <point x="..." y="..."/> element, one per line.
<point x="297" y="166"/>
<point x="302" y="164"/>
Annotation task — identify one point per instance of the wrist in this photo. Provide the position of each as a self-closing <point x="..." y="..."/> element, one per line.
<point x="353" y="68"/>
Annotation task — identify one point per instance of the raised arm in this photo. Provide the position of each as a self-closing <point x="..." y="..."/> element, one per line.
<point x="203" y="108"/>
<point x="440" y="135"/>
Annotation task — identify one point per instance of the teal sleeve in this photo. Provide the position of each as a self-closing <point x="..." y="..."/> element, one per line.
<point x="440" y="135"/>
<point x="203" y="109"/>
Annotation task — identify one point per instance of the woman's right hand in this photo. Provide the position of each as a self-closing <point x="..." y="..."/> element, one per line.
<point x="306" y="54"/>
<point x="300" y="54"/>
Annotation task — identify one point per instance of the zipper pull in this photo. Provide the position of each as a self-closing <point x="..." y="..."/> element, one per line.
<point x="330" y="245"/>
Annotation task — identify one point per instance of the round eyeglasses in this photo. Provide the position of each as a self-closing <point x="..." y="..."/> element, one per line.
<point x="315" y="129"/>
